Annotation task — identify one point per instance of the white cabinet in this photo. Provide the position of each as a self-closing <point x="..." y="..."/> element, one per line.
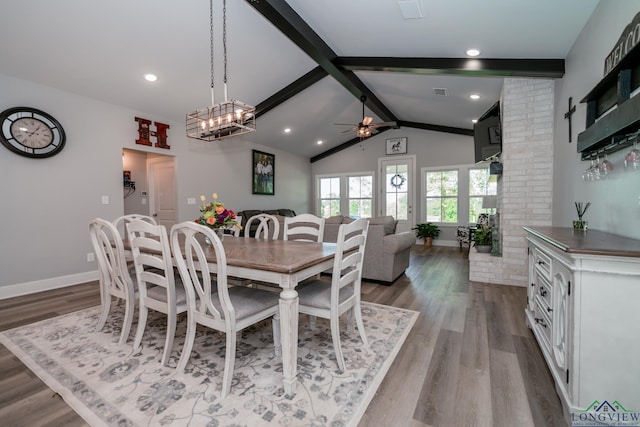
<point x="584" y="310"/>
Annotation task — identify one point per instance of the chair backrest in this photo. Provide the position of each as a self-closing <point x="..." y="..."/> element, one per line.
<point x="268" y="227"/>
<point x="109" y="250"/>
<point x="304" y="227"/>
<point x="347" y="266"/>
<point x="191" y="258"/>
<point x="123" y="220"/>
<point x="151" y="257"/>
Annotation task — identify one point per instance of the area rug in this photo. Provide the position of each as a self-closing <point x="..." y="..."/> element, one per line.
<point x="111" y="385"/>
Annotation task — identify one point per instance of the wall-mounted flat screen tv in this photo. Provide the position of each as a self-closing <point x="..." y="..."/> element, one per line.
<point x="487" y="134"/>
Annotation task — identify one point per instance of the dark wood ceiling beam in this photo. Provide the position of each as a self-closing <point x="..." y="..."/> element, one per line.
<point x="436" y="128"/>
<point x="491" y="67"/>
<point x="291" y="90"/>
<point x="343" y="146"/>
<point x="284" y="18"/>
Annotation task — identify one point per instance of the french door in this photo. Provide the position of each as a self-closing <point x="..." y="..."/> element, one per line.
<point x="396" y="181"/>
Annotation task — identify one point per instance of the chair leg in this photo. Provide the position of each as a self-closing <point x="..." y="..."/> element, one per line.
<point x="229" y="363"/>
<point x="142" y="323"/>
<point x="106" y="306"/>
<point x="335" y="335"/>
<point x="277" y="344"/>
<point x="312" y="322"/>
<point x="168" y="342"/>
<point x="358" y="312"/>
<point x="188" y="344"/>
<point x="127" y="321"/>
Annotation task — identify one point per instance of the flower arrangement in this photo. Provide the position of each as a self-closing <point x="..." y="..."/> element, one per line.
<point x="215" y="215"/>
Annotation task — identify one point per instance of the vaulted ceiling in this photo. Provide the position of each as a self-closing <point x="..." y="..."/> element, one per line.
<point x="304" y="64"/>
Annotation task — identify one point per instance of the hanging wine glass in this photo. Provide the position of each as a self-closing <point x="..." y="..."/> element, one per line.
<point x="606" y="167"/>
<point x="632" y="159"/>
<point x="595" y="171"/>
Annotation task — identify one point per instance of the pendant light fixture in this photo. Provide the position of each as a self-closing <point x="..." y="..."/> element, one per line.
<point x="228" y="118"/>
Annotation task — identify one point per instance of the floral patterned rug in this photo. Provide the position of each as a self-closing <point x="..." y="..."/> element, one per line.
<point x="110" y="384"/>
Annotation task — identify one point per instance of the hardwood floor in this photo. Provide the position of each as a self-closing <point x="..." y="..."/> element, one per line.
<point x="469" y="360"/>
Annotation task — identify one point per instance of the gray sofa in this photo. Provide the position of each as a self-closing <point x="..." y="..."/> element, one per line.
<point x="386" y="254"/>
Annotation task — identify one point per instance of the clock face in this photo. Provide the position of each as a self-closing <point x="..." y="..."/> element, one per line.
<point x="31" y="132"/>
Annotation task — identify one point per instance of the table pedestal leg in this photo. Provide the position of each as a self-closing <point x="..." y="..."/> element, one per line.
<point x="289" y="335"/>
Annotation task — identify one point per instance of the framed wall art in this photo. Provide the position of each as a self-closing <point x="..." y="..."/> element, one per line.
<point x="263" y="171"/>
<point x="397" y="146"/>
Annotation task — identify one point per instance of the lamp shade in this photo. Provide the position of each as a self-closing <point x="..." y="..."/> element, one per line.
<point x="489" y="202"/>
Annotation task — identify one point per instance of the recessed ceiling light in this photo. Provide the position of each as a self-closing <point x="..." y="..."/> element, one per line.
<point x="150" y="77"/>
<point x="473" y="52"/>
<point x="474" y="96"/>
<point x="287" y="130"/>
<point x="319" y="142"/>
<point x="474" y="120"/>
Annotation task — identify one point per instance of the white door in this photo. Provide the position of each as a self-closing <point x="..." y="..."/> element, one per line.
<point x="396" y="177"/>
<point x="162" y="194"/>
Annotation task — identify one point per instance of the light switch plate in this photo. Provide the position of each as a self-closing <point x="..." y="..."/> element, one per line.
<point x="191" y="200"/>
<point x="105" y="200"/>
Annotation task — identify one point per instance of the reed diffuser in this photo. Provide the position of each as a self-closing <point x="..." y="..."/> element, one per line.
<point x="581" y="208"/>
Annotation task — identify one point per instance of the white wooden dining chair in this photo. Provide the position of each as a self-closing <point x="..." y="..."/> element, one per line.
<point x="123" y="220"/>
<point x="267" y="227"/>
<point x="115" y="280"/>
<point x="158" y="287"/>
<point x="304" y="227"/>
<point x="210" y="302"/>
<point x="330" y="300"/>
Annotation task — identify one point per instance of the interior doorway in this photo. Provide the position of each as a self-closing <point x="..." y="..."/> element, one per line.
<point x="149" y="185"/>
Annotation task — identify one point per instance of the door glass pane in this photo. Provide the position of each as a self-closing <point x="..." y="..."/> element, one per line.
<point x="396" y="186"/>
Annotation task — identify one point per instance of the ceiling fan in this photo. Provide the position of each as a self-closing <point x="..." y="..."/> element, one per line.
<point x="366" y="128"/>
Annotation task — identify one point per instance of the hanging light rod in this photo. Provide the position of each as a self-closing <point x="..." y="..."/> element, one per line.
<point x="228" y="118"/>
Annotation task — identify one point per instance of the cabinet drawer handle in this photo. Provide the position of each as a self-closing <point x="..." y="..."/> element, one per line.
<point x="540" y="321"/>
<point x="543" y="292"/>
<point x="549" y="309"/>
<point x="541" y="262"/>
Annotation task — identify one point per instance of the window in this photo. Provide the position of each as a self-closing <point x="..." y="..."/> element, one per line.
<point x="329" y="196"/>
<point x="360" y="196"/>
<point x="441" y="192"/>
<point x="479" y="186"/>
<point x="349" y="195"/>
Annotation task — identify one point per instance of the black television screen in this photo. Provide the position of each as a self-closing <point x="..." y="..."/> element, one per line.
<point x="487" y="135"/>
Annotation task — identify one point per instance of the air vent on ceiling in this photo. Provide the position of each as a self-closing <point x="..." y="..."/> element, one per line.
<point x="410" y="9"/>
<point x="440" y="91"/>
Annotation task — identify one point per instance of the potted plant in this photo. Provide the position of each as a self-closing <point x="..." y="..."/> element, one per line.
<point x="427" y="231"/>
<point x="482" y="239"/>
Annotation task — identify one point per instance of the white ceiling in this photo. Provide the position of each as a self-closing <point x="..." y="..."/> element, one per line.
<point x="102" y="49"/>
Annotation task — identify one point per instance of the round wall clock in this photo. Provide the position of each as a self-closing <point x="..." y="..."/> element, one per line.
<point x="31" y="132"/>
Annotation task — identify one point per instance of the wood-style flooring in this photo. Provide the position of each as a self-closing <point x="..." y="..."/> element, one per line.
<point x="470" y="359"/>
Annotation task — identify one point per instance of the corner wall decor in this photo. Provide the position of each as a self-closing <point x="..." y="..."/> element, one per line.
<point x="145" y="133"/>
<point x="397" y="146"/>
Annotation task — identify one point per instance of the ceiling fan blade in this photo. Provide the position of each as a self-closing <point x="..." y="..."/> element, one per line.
<point x="344" y="124"/>
<point x="349" y="130"/>
<point x="367" y="120"/>
<point x="383" y="124"/>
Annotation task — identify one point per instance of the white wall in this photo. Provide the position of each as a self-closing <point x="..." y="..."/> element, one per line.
<point x="615" y="203"/>
<point x="48" y="203"/>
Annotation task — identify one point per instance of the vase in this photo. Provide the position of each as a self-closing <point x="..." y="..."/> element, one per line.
<point x="580" y="225"/>
<point x="219" y="232"/>
<point x="484" y="249"/>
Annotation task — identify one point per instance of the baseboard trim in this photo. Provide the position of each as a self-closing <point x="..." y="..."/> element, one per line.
<point x="20" y="289"/>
